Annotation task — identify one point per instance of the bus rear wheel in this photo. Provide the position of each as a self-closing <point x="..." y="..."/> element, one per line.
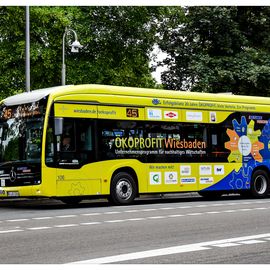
<point x="123" y="189"/>
<point x="260" y="184"/>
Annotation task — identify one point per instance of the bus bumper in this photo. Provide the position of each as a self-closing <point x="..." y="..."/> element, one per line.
<point x="18" y="192"/>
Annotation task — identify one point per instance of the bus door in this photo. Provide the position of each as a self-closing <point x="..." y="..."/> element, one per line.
<point x="76" y="153"/>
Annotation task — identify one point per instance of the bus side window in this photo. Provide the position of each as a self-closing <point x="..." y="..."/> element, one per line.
<point x="68" y="137"/>
<point x="217" y="148"/>
<point x="86" y="139"/>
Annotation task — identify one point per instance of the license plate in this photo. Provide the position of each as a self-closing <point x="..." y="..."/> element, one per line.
<point x="3" y="182"/>
<point x="13" y="194"/>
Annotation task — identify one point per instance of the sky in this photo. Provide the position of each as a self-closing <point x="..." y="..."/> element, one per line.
<point x="160" y="56"/>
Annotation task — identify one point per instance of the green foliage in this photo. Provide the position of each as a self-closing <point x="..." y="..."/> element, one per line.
<point x="117" y="43"/>
<point x="219" y="49"/>
<point x="47" y="26"/>
<point x="210" y="49"/>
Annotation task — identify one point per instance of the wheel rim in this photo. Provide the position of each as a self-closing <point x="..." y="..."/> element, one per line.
<point x="260" y="184"/>
<point x="124" y="189"/>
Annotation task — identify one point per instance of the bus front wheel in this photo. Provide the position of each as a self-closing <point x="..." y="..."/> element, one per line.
<point x="123" y="189"/>
<point x="260" y="184"/>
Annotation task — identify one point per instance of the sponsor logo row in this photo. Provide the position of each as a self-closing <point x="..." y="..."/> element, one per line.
<point x="156" y="114"/>
<point x="203" y="170"/>
<point x="185" y="175"/>
<point x="172" y="178"/>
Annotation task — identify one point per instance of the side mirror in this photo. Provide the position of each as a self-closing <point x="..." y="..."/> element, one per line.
<point x="58" y="126"/>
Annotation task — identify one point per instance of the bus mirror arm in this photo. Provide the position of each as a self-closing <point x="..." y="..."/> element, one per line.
<point x="58" y="126"/>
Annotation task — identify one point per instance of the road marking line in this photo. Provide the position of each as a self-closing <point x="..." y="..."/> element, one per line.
<point x="227" y="245"/>
<point x="250" y="242"/>
<point x="41" y="218"/>
<point x="66" y="216"/>
<point x="154" y="209"/>
<point x="39" y="228"/>
<point x="170" y="250"/>
<point x="131" y="219"/>
<point x="90" y="223"/>
<point x="143" y="254"/>
<point x="65" y="225"/>
<point x="135" y="219"/>
<point x="176" y="215"/>
<point x="115" y="221"/>
<point x="156" y="217"/>
<point x="17" y="220"/>
<point x="11" y="231"/>
<point x="91" y="214"/>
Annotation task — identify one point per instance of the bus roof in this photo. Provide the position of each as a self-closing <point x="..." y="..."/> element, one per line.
<point x="28" y="97"/>
<point x="35" y="95"/>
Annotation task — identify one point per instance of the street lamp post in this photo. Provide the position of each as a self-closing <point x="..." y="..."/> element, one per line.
<point x="75" y="46"/>
<point x="27" y="50"/>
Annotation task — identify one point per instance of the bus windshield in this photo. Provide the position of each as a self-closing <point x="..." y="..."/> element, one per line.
<point x="21" y="140"/>
<point x="20" y="134"/>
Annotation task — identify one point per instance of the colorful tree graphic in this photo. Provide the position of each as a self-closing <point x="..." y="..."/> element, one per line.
<point x="245" y="148"/>
<point x="244" y="142"/>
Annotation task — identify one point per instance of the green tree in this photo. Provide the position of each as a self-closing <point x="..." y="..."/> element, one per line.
<point x="117" y="44"/>
<point x="47" y="25"/>
<point x="219" y="49"/>
<point x="11" y="49"/>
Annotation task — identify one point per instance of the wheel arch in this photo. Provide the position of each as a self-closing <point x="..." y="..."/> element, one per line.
<point x="263" y="168"/>
<point x="130" y="171"/>
<point x="260" y="182"/>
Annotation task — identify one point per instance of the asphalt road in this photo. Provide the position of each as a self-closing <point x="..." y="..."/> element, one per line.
<point x="182" y="229"/>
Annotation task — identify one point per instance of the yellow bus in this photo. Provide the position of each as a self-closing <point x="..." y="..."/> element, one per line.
<point x="79" y="142"/>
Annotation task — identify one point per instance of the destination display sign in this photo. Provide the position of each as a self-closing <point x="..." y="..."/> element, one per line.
<point x="22" y="111"/>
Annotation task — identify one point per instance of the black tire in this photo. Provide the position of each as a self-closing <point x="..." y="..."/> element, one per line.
<point x="210" y="195"/>
<point x="259" y="186"/>
<point x="71" y="200"/>
<point x="123" y="189"/>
